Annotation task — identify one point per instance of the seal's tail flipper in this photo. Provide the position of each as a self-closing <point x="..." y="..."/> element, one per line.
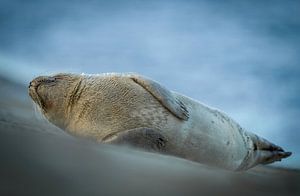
<point x="267" y="152"/>
<point x="268" y="157"/>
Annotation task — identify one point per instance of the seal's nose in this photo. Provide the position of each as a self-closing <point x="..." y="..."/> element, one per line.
<point x="37" y="81"/>
<point x="31" y="84"/>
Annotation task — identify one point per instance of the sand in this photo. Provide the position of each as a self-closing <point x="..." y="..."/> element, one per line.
<point x="38" y="158"/>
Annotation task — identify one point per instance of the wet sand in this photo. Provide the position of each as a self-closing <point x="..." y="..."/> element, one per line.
<point x="37" y="158"/>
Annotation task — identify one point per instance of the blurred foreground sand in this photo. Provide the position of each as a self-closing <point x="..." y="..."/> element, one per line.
<point x="40" y="159"/>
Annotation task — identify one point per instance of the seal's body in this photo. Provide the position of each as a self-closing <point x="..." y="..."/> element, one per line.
<point x="134" y="110"/>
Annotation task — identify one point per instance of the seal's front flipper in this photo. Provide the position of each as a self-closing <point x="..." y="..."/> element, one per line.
<point x="163" y="95"/>
<point x="144" y="138"/>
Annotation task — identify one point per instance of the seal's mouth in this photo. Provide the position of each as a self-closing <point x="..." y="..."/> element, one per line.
<point x="33" y="93"/>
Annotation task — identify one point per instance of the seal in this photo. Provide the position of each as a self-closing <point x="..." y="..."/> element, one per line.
<point x="130" y="109"/>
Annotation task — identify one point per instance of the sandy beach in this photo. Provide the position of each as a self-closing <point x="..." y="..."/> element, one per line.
<point x="241" y="57"/>
<point x="40" y="159"/>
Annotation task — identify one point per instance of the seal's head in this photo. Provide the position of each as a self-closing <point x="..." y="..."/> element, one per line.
<point x="51" y="94"/>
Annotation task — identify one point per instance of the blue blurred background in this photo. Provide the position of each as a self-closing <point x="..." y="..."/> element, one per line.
<point x="239" y="56"/>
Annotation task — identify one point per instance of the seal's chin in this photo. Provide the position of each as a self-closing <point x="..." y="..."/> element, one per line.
<point x="32" y="90"/>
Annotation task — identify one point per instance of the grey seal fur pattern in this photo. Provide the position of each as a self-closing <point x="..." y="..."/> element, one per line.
<point x="130" y="109"/>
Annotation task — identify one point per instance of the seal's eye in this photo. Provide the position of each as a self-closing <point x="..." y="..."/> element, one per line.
<point x="49" y="80"/>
